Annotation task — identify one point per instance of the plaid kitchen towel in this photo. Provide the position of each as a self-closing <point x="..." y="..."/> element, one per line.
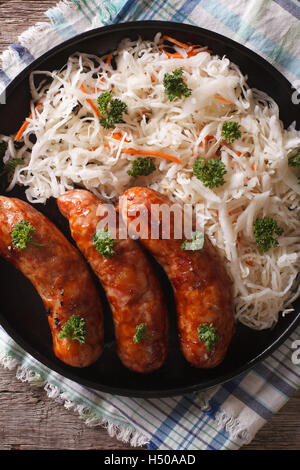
<point x="227" y="416"/>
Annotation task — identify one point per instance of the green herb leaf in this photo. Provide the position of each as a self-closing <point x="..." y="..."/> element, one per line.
<point x="264" y="230"/>
<point x="295" y="160"/>
<point x="3" y="148"/>
<point x="231" y="131"/>
<point x="210" y="172"/>
<point x="142" y="167"/>
<point x="74" y="329"/>
<point x="21" y="235"/>
<point x="175" y="87"/>
<point x="196" y="243"/>
<point x="11" y="165"/>
<point x="207" y="334"/>
<point x="111" y="110"/>
<point x="140" y="333"/>
<point x="104" y="243"/>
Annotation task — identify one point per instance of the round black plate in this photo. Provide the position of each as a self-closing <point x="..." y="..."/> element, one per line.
<point x="22" y="313"/>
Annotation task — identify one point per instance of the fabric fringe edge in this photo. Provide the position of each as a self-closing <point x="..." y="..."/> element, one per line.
<point x="125" y="434"/>
<point x="237" y="432"/>
<point x="35" y="34"/>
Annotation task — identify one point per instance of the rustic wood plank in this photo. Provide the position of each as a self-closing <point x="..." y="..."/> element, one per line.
<point x="28" y="418"/>
<point x="16" y="16"/>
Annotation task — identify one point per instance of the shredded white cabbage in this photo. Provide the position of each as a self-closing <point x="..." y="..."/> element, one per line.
<point x="70" y="147"/>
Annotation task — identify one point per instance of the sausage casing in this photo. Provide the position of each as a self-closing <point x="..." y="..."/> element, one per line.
<point x="128" y="278"/>
<point x="202" y="288"/>
<point x="59" y="274"/>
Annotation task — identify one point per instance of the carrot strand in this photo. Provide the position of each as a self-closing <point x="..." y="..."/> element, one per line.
<point x="108" y="60"/>
<point x="223" y="99"/>
<point x="172" y="55"/>
<point x="174" y="41"/>
<point x="25" y="124"/>
<point x="90" y="102"/>
<point x="132" y="151"/>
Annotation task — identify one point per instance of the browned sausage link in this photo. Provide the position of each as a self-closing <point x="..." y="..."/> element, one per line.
<point x="131" y="286"/>
<point x="61" y="277"/>
<point x="201" y="285"/>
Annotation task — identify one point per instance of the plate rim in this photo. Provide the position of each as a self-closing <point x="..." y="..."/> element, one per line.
<point x="17" y="80"/>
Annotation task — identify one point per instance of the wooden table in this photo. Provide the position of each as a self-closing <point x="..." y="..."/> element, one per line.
<point x="30" y="420"/>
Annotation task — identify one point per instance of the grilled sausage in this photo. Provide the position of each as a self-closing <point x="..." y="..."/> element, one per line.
<point x="202" y="288"/>
<point x="131" y="286"/>
<point x="61" y="277"/>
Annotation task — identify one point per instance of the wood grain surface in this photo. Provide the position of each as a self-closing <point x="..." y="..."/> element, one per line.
<point x="31" y="420"/>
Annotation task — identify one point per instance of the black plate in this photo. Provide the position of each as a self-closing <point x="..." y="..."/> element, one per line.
<point x="22" y="313"/>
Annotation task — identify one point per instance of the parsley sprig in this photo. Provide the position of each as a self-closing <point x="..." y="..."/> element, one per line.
<point x="21" y="235"/>
<point x="264" y="230"/>
<point x="3" y="148"/>
<point x="210" y="172"/>
<point x="142" y="167"/>
<point x="140" y="333"/>
<point x="104" y="243"/>
<point x="74" y="329"/>
<point x="196" y="243"/>
<point x="175" y="87"/>
<point x="208" y="334"/>
<point x="294" y="161"/>
<point x="111" y="110"/>
<point x="231" y="131"/>
<point x="11" y="165"/>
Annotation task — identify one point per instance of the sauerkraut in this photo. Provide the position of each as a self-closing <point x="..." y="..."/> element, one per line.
<point x="65" y="145"/>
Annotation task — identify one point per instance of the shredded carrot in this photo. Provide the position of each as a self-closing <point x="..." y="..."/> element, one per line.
<point x="249" y="263"/>
<point x="108" y="61"/>
<point x="131" y="151"/>
<point x="238" y="153"/>
<point x="25" y="124"/>
<point x="206" y="139"/>
<point x="177" y="55"/>
<point x="117" y="136"/>
<point x="192" y="52"/>
<point x="109" y="57"/>
<point x="173" y="55"/>
<point x="252" y="167"/>
<point x="174" y="41"/>
<point x="90" y="102"/>
<point x="223" y="99"/>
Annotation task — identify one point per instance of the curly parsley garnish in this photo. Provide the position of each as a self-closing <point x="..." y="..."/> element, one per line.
<point x="140" y="333"/>
<point x="21" y="235"/>
<point x="175" y="87"/>
<point x="264" y="230"/>
<point x="210" y="172"/>
<point x="207" y="334"/>
<point x="142" y="167"/>
<point x="3" y="148"/>
<point x="294" y="161"/>
<point x="11" y="165"/>
<point x="73" y="329"/>
<point x="196" y="243"/>
<point x="111" y="110"/>
<point x="104" y="243"/>
<point x="231" y="131"/>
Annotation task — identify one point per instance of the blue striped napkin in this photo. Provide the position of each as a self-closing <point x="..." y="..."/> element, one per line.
<point x="227" y="416"/>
